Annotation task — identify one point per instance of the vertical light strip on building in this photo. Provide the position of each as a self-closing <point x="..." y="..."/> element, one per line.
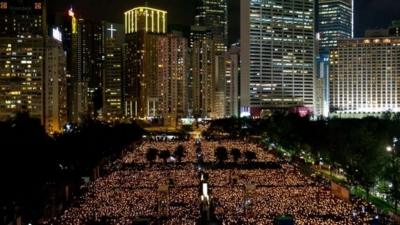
<point x="158" y="21"/>
<point x="147" y="18"/>
<point x="152" y="21"/>
<point x="139" y="19"/>
<point x="126" y="23"/>
<point x="136" y="22"/>
<point x="164" y="19"/>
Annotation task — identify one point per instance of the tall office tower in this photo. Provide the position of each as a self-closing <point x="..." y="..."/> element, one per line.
<point x="203" y="75"/>
<point x="218" y="108"/>
<point x="335" y="19"/>
<point x="86" y="58"/>
<point x="196" y="33"/>
<point x="113" y="70"/>
<point x="19" y="17"/>
<point x="173" y="97"/>
<point x="142" y="24"/>
<point x="32" y="65"/>
<point x="32" y="79"/>
<point x="214" y="15"/>
<point x="145" y="19"/>
<point x="277" y="51"/>
<point x="22" y="76"/>
<point x="55" y="85"/>
<point x="232" y="78"/>
<point x="364" y="76"/>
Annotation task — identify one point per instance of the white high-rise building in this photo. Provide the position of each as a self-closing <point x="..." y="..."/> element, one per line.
<point x="277" y="52"/>
<point x="364" y="76"/>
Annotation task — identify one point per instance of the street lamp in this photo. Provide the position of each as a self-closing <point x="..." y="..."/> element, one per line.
<point x="389" y="149"/>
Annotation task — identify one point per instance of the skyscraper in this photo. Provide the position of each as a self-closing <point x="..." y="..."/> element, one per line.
<point x="155" y="85"/>
<point x="204" y="77"/>
<point x="277" y="51"/>
<point x="173" y="96"/>
<point x="113" y="71"/>
<point x="196" y="33"/>
<point x="335" y="19"/>
<point x="23" y="17"/>
<point x="145" y="19"/>
<point x="32" y="79"/>
<point x="142" y="25"/>
<point x="232" y="84"/>
<point x="364" y="76"/>
<point x="32" y="65"/>
<point x="214" y="15"/>
<point x="86" y="57"/>
<point x="55" y="86"/>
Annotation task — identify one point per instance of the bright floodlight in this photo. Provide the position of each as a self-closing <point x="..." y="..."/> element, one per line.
<point x="389" y="149"/>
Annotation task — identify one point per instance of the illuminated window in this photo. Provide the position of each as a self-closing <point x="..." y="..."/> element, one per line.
<point x="3" y="5"/>
<point x="38" y="5"/>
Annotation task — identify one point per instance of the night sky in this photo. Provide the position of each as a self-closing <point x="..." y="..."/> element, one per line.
<point x="368" y="13"/>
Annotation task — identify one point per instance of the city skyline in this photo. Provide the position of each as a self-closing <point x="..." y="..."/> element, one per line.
<point x="369" y="14"/>
<point x="154" y="112"/>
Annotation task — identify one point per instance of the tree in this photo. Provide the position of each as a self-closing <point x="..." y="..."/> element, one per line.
<point x="151" y="154"/>
<point x="179" y="152"/>
<point x="221" y="153"/>
<point x="236" y="154"/>
<point x="250" y="156"/>
<point x="164" y="154"/>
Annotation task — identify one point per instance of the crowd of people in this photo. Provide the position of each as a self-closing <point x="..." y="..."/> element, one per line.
<point x="124" y="196"/>
<point x="171" y="194"/>
<point x="308" y="204"/>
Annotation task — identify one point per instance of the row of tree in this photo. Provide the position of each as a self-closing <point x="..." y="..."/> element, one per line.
<point x="153" y="153"/>
<point x="360" y="147"/>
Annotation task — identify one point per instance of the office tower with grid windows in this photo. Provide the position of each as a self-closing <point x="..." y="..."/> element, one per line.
<point x="213" y="14"/>
<point x="113" y="71"/>
<point x="364" y="76"/>
<point x="23" y="17"/>
<point x="143" y="25"/>
<point x="232" y="77"/>
<point x="277" y="52"/>
<point x="334" y="21"/>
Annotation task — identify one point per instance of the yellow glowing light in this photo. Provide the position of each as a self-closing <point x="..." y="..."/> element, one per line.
<point x="71" y="13"/>
<point x="143" y="13"/>
<point x="74" y="25"/>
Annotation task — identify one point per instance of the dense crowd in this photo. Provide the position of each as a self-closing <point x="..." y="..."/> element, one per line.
<point x="239" y="196"/>
<point x="124" y="196"/>
<point x="308" y="205"/>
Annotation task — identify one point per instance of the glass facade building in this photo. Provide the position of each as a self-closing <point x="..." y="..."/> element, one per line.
<point x="335" y="21"/>
<point x="277" y="50"/>
<point x="214" y="15"/>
